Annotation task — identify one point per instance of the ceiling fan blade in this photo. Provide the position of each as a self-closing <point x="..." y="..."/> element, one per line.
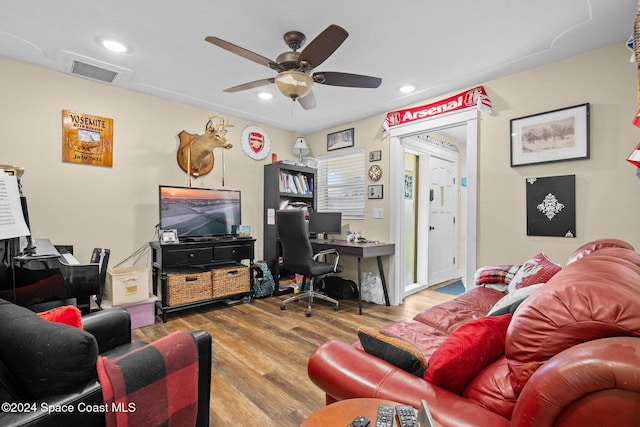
<point x="308" y="102"/>
<point x="250" y="85"/>
<point x="252" y="56"/>
<point x="332" y="78"/>
<point x="323" y="46"/>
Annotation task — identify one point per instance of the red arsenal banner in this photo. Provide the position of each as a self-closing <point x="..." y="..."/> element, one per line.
<point x="476" y="97"/>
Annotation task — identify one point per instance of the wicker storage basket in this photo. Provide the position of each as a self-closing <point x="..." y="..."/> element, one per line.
<point x="188" y="286"/>
<point x="230" y="280"/>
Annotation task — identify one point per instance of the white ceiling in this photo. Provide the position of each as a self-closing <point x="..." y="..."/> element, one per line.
<point x="438" y="46"/>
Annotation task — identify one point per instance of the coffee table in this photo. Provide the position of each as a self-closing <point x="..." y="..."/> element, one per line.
<point x="341" y="413"/>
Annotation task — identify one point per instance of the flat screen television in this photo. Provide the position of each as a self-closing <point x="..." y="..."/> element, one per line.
<point x="199" y="213"/>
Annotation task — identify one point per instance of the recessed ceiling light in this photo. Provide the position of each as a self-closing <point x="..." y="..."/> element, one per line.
<point x="407" y="88"/>
<point x="113" y="45"/>
<point x="265" y="95"/>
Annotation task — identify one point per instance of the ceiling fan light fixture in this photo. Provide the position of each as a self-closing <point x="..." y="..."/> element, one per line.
<point x="293" y="84"/>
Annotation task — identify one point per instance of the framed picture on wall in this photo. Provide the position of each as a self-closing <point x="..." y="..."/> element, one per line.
<point x="551" y="206"/>
<point x="342" y="139"/>
<point x="553" y="136"/>
<point x="375" y="191"/>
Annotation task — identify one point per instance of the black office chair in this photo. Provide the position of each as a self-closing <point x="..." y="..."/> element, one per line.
<point x="298" y="256"/>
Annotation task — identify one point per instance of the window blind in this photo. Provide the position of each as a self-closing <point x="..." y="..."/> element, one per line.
<point x="341" y="183"/>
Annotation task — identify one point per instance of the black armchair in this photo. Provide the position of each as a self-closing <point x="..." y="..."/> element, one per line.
<point x="298" y="256"/>
<point x="73" y="398"/>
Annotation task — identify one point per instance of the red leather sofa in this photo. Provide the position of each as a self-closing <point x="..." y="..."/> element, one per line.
<point x="571" y="354"/>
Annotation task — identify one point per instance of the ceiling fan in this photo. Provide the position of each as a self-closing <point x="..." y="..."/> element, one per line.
<point x="295" y="76"/>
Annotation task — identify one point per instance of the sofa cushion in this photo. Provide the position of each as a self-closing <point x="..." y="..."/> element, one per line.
<point x="538" y="269"/>
<point x="67" y="315"/>
<point x="392" y="349"/>
<point x="596" y="245"/>
<point x="594" y="297"/>
<point x="46" y="358"/>
<point x="450" y="315"/>
<point x="469" y="349"/>
<point x="491" y="388"/>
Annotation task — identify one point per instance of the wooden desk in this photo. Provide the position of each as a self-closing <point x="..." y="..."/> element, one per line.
<point x="360" y="250"/>
<point x="340" y="414"/>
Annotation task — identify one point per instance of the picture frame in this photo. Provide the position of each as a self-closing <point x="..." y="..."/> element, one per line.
<point x="341" y="139"/>
<point x="553" y="136"/>
<point x="375" y="156"/>
<point x="551" y="206"/>
<point x="169" y="236"/>
<point x="375" y="191"/>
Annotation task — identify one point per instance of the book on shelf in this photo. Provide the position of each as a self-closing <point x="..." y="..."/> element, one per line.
<point x="295" y="183"/>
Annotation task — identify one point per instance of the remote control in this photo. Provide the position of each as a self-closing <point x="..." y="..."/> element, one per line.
<point x="385" y="416"/>
<point x="406" y="416"/>
<point x="359" y="421"/>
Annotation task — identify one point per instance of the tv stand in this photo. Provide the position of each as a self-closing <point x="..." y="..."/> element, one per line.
<point x="206" y="238"/>
<point x="203" y="255"/>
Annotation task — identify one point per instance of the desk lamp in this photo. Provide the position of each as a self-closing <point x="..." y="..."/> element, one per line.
<point x="300" y="148"/>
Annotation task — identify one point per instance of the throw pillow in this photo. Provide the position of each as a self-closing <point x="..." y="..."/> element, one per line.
<point x="45" y="358"/>
<point x="538" y="269"/>
<point x="392" y="349"/>
<point x="466" y="352"/>
<point x="67" y="315"/>
<point x="491" y="274"/>
<point x="511" y="301"/>
<point x="164" y="372"/>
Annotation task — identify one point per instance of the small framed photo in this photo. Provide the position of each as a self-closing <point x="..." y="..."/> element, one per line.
<point x="553" y="136"/>
<point x="375" y="156"/>
<point x="375" y="191"/>
<point x="342" y="139"/>
<point x="168" y="236"/>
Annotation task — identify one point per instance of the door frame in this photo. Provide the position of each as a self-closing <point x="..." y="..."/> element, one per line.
<point x="425" y="153"/>
<point x="468" y="200"/>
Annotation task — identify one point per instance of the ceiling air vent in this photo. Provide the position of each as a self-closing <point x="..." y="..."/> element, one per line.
<point x="93" y="72"/>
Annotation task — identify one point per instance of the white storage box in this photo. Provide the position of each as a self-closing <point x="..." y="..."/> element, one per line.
<point x="126" y="285"/>
<point x="142" y="313"/>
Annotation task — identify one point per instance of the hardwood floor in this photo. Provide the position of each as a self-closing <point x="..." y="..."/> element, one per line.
<point x="259" y="366"/>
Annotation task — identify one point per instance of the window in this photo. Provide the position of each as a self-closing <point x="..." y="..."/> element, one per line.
<point x="341" y="183"/>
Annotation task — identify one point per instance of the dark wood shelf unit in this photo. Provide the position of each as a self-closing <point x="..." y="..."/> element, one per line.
<point x="274" y="197"/>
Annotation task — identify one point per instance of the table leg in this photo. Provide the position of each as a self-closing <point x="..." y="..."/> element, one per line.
<point x="359" y="286"/>
<point x="384" y="282"/>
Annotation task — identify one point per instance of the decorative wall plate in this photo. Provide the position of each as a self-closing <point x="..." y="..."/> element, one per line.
<point x="375" y="173"/>
<point x="255" y="142"/>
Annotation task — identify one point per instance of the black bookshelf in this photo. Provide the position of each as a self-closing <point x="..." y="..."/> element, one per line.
<point x="285" y="186"/>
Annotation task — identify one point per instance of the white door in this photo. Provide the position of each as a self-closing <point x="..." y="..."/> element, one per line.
<point x="430" y="239"/>
<point x="442" y="238"/>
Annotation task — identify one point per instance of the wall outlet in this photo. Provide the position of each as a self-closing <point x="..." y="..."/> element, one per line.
<point x="378" y="213"/>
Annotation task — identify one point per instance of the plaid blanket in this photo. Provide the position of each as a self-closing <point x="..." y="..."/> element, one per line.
<point x="156" y="385"/>
<point x="495" y="274"/>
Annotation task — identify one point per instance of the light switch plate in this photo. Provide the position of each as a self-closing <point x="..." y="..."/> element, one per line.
<point x="378" y="213"/>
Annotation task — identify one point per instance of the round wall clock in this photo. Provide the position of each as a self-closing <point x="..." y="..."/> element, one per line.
<point x="255" y="142"/>
<point x="375" y="173"/>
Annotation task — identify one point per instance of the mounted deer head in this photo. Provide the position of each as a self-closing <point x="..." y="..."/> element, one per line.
<point x="195" y="152"/>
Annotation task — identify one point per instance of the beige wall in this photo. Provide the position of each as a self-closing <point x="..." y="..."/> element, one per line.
<point x="116" y="207"/>
<point x="113" y="207"/>
<point x="606" y="187"/>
